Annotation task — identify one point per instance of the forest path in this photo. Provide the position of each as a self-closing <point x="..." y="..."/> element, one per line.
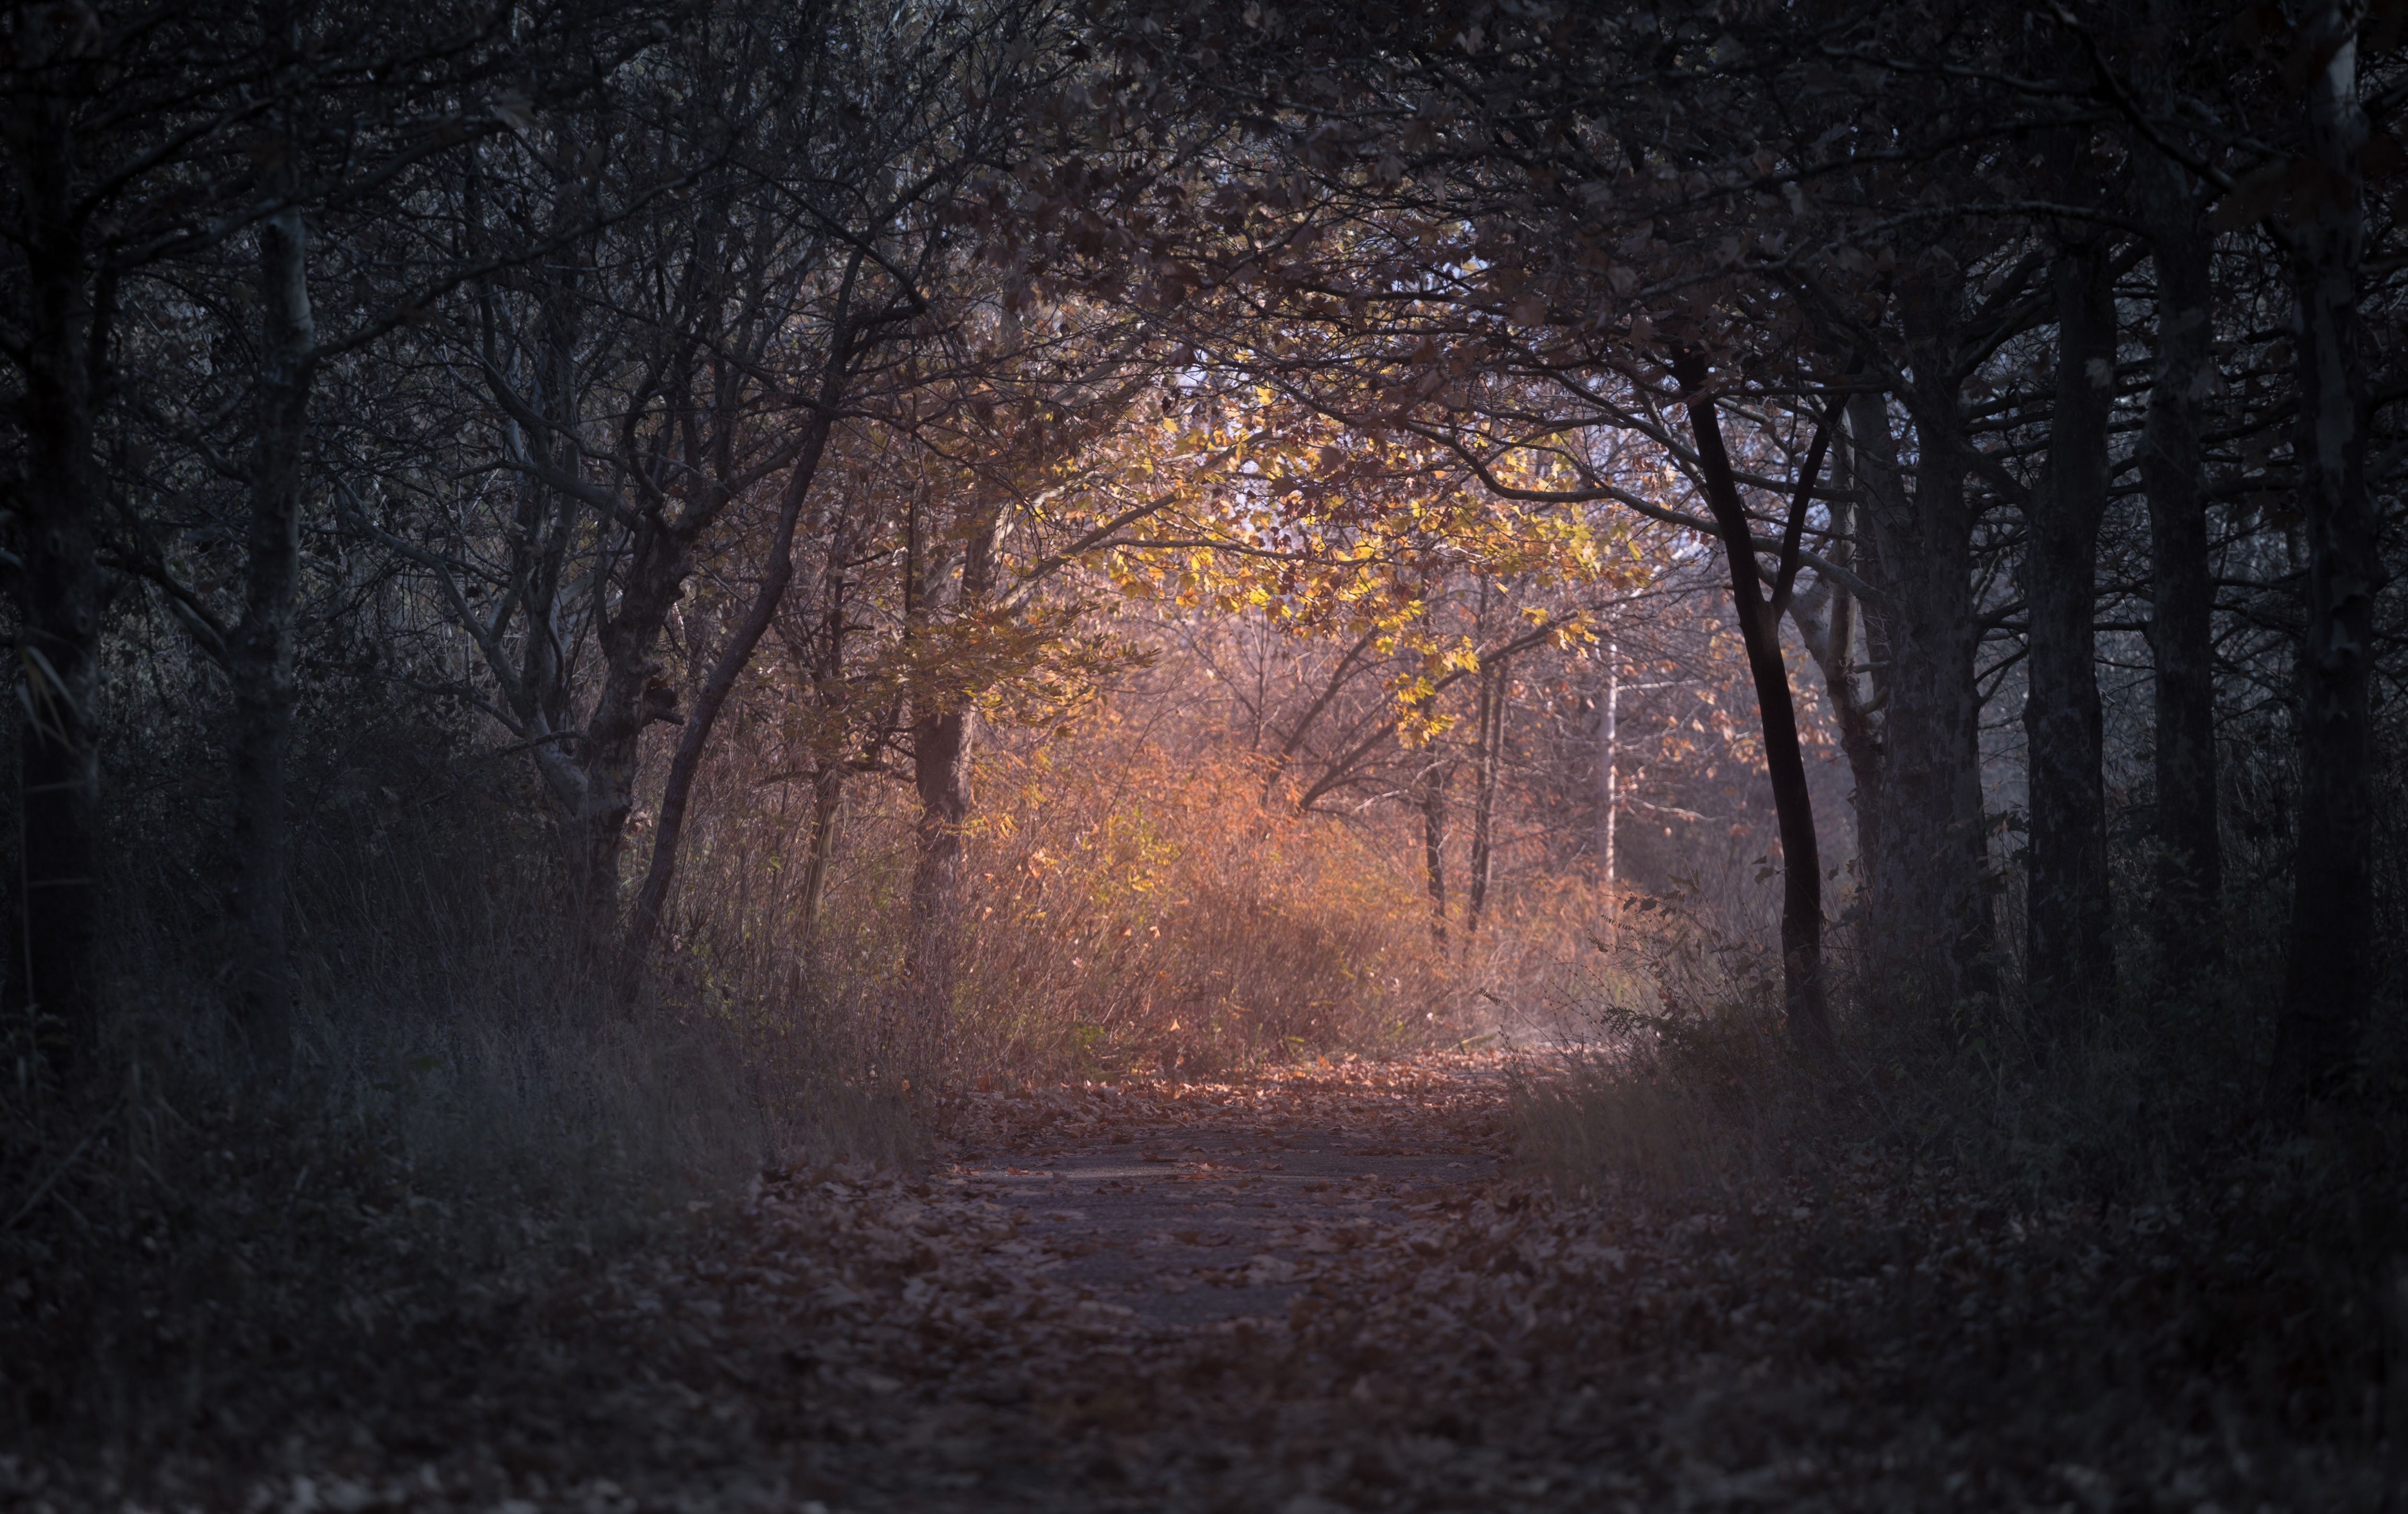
<point x="1316" y="1291"/>
<point x="1201" y="1205"/>
<point x="1170" y="1250"/>
<point x="1299" y="1293"/>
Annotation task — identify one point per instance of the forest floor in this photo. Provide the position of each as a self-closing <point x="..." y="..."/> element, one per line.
<point x="1319" y="1289"/>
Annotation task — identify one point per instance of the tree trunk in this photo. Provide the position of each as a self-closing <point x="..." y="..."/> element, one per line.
<point x="827" y="780"/>
<point x="827" y="804"/>
<point x="543" y="695"/>
<point x="1609" y="773"/>
<point x="58" y="594"/>
<point x="2070" y="964"/>
<point x="591" y="775"/>
<point x="942" y="736"/>
<point x="259" y="662"/>
<point x="696" y="737"/>
<point x="1433" y="786"/>
<point x="942" y="741"/>
<point x="2190" y="858"/>
<point x="2328" y="978"/>
<point x="1493" y="689"/>
<point x="682" y="499"/>
<point x="1932" y="935"/>
<point x="632" y="695"/>
<point x="1803" y="990"/>
<point x="1826" y="618"/>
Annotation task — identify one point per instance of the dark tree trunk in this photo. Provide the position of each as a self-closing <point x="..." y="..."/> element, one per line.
<point x="696" y="737"/>
<point x="1879" y="494"/>
<point x="2327" y="984"/>
<point x="941" y="742"/>
<point x="591" y="775"/>
<point x="685" y="476"/>
<point x="940" y="758"/>
<point x="543" y="695"/>
<point x="1933" y="935"/>
<point x="1826" y="617"/>
<point x="57" y="595"/>
<point x="2190" y="861"/>
<point x="634" y="694"/>
<point x="2069" y="963"/>
<point x="259" y="662"/>
<point x="1803" y="989"/>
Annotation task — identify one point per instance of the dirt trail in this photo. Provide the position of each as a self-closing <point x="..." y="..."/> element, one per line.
<point x="1214" y="1203"/>
<point x="1177" y="1244"/>
<point x="1148" y="1296"/>
<point x="1315" y="1292"/>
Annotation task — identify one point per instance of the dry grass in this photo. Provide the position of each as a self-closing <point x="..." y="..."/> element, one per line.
<point x="2221" y="1263"/>
<point x="1672" y="1076"/>
<point x="1132" y="911"/>
<point x="1125" y="908"/>
<point x="185" y="1240"/>
<point x="473" y="1108"/>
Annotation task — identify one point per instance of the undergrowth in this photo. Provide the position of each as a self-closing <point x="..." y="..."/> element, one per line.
<point x="1123" y="908"/>
<point x="2220" y="1265"/>
<point x="189" y="1240"/>
<point x="1132" y="912"/>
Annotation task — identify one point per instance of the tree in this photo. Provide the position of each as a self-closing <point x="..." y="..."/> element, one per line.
<point x="140" y="150"/>
<point x="2068" y="961"/>
<point x="2327" y="985"/>
<point x="2190" y="873"/>
<point x="741" y="290"/>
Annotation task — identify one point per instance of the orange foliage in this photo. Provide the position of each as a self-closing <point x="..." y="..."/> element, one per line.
<point x="1131" y="909"/>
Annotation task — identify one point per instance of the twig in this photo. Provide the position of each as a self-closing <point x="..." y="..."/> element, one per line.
<point x="43" y="1190"/>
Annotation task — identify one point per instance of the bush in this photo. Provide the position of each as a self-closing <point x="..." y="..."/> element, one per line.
<point x="1122" y="908"/>
<point x="470" y="1106"/>
<point x="2182" y="1249"/>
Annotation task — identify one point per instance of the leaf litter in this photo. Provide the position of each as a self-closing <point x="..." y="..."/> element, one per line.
<point x="1319" y="1289"/>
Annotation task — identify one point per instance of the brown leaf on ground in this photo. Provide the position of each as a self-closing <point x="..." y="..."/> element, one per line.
<point x="1387" y="1317"/>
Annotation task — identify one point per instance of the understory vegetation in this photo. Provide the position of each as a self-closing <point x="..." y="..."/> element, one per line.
<point x="2113" y="1225"/>
<point x="467" y="1111"/>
